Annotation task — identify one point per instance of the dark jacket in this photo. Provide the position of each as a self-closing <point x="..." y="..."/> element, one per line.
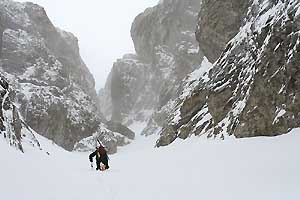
<point x="101" y="157"/>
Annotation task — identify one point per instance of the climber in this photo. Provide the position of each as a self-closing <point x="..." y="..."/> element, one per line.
<point x="101" y="157"/>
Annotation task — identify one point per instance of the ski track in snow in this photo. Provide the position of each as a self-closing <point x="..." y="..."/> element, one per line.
<point x="248" y="169"/>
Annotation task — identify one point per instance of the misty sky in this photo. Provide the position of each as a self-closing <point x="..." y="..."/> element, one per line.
<point x="102" y="27"/>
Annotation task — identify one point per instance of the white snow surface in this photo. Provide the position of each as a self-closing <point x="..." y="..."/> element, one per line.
<point x="259" y="168"/>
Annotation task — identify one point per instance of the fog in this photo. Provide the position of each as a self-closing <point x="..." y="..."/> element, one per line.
<point x="102" y="27"/>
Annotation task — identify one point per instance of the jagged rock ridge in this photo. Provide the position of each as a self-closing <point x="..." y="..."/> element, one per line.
<point x="253" y="88"/>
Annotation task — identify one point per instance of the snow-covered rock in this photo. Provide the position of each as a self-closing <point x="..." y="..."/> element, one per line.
<point x="111" y="135"/>
<point x="54" y="88"/>
<point x="13" y="129"/>
<point x="253" y="88"/>
<point x="110" y="140"/>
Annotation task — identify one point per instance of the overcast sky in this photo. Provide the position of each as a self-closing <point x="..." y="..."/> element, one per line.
<point x="102" y="27"/>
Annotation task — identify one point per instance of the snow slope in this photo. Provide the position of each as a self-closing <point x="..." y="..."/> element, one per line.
<point x="248" y="169"/>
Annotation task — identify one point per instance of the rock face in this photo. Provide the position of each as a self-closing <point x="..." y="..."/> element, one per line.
<point x="13" y="129"/>
<point x="253" y="88"/>
<point x="170" y="24"/>
<point x="111" y="140"/>
<point x="218" y="22"/>
<point x="166" y="51"/>
<point x="54" y="88"/>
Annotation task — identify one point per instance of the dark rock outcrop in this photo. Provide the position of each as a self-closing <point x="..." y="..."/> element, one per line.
<point x="218" y="22"/>
<point x="253" y="88"/>
<point x="119" y="128"/>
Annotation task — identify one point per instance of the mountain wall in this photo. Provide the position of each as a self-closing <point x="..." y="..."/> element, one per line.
<point x="253" y="87"/>
<point x="54" y="89"/>
<point x="141" y="84"/>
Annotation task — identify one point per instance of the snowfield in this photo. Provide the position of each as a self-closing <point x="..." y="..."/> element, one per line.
<point x="244" y="169"/>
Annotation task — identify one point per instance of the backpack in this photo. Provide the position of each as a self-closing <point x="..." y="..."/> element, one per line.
<point x="101" y="150"/>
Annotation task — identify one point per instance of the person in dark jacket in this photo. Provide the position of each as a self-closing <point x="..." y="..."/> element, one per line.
<point x="101" y="157"/>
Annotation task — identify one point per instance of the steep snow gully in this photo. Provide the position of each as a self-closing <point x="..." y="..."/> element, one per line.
<point x="264" y="168"/>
